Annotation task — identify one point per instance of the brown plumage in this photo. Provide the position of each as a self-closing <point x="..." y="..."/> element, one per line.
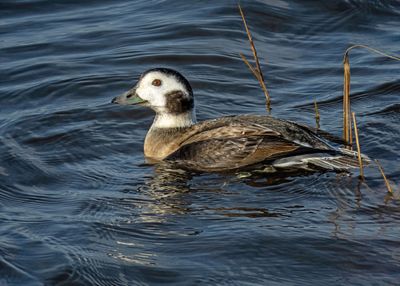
<point x="233" y="142"/>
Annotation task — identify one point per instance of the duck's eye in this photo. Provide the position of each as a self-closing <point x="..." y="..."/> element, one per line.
<point x="156" y="82"/>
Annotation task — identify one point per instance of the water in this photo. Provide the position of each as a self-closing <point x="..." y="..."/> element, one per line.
<point x="78" y="206"/>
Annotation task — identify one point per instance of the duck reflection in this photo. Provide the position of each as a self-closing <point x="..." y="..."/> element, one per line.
<point x="173" y="187"/>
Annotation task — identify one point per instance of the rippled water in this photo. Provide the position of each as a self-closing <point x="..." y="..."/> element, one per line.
<point x="78" y="206"/>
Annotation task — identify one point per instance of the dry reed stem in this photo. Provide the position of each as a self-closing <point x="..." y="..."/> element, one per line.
<point x="389" y="188"/>
<point x="253" y="48"/>
<point x="257" y="69"/>
<point x="257" y="76"/>
<point x="347" y="130"/>
<point x="374" y="51"/>
<point x="346" y="100"/>
<point x="251" y="68"/>
<point x="358" y="145"/>
<point x="317" y="115"/>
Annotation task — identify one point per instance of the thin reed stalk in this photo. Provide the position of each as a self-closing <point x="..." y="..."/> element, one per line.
<point x="347" y="133"/>
<point x="346" y="101"/>
<point x="358" y="145"/>
<point x="389" y="188"/>
<point x="317" y="115"/>
<point x="256" y="71"/>
<point x="376" y="51"/>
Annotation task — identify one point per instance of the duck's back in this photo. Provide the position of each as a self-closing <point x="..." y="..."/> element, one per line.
<point x="237" y="141"/>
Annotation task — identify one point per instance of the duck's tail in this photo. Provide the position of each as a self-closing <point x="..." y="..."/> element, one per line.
<point x="344" y="160"/>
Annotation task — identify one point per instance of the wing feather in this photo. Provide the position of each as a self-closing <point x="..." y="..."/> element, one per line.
<point x="234" y="142"/>
<point x="233" y="153"/>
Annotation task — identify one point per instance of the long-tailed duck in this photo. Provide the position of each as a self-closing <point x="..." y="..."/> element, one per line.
<point x="226" y="143"/>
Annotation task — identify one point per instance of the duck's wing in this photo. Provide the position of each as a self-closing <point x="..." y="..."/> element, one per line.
<point x="226" y="154"/>
<point x="326" y="135"/>
<point x="256" y="125"/>
<point x="234" y="143"/>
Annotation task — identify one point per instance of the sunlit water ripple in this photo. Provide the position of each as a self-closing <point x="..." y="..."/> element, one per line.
<point x="78" y="204"/>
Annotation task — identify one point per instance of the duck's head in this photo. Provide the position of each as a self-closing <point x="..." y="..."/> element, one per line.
<point x="167" y="92"/>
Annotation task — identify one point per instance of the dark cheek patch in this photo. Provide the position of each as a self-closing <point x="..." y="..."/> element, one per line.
<point x="177" y="102"/>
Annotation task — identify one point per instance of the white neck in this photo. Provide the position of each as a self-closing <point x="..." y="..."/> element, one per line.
<point x="168" y="120"/>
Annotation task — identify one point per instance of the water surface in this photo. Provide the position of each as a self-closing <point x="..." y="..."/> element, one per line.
<point x="78" y="206"/>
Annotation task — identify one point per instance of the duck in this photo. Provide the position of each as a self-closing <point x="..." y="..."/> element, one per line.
<point x="227" y="143"/>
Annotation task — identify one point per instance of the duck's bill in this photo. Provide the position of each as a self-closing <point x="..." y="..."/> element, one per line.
<point x="128" y="98"/>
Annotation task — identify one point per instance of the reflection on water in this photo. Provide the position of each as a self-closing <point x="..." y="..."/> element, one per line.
<point x="78" y="205"/>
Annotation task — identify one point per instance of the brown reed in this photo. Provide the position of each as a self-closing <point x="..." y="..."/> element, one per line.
<point x="347" y="133"/>
<point x="358" y="145"/>
<point x="346" y="101"/>
<point x="389" y="188"/>
<point x="257" y="69"/>
<point x="317" y="115"/>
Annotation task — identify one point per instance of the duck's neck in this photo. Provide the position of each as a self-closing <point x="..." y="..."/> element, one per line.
<point x="165" y="135"/>
<point x="170" y="120"/>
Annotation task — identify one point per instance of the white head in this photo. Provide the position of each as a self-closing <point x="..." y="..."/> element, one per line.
<point x="168" y="93"/>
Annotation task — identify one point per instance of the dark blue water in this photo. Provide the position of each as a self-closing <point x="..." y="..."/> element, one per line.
<point x="78" y="206"/>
